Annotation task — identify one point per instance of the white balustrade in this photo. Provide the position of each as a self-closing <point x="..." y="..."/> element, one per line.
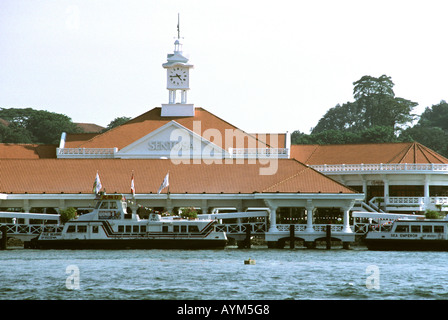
<point x="406" y="200"/>
<point x="86" y="152"/>
<point x="316" y="227"/>
<point x="350" y="168"/>
<point x="258" y="152"/>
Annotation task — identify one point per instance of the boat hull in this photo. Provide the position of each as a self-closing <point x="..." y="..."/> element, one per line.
<point x="406" y="245"/>
<point x="129" y="244"/>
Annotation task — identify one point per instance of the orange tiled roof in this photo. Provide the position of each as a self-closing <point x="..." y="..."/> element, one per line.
<point x="275" y="140"/>
<point x="406" y="152"/>
<point x="75" y="139"/>
<point x="77" y="176"/>
<point x="146" y="123"/>
<point x="89" y="127"/>
<point x="26" y="151"/>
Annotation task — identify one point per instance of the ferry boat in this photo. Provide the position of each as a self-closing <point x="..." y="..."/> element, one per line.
<point x="109" y="226"/>
<point x="424" y="234"/>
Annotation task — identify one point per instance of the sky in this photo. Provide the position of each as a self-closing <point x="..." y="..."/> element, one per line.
<point x="263" y="66"/>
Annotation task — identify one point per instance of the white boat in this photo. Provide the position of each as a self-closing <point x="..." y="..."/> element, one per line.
<point x="419" y="234"/>
<point x="109" y="226"/>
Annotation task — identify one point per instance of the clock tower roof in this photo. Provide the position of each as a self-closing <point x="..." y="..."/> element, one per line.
<point x="177" y="58"/>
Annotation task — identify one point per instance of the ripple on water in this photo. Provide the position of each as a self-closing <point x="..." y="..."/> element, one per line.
<point x="221" y="275"/>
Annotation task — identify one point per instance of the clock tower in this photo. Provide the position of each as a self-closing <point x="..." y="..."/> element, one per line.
<point x="177" y="81"/>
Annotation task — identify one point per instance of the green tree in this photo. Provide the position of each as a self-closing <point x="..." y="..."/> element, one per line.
<point x="14" y="133"/>
<point x="369" y="86"/>
<point x="117" y="122"/>
<point x="431" y="129"/>
<point x="436" y="116"/>
<point x="46" y="127"/>
<point x="378" y="134"/>
<point x="432" y="137"/>
<point x="35" y="126"/>
<point x="345" y="117"/>
<point x="375" y="105"/>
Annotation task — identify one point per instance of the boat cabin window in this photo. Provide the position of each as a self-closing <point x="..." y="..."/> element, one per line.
<point x="71" y="229"/>
<point x="438" y="229"/>
<point x="164" y="228"/>
<point x="416" y="229"/>
<point x="113" y="205"/>
<point x="82" y="229"/>
<point x="104" y="205"/>
<point x="182" y="228"/>
<point x="95" y="229"/>
<point x="427" y="229"/>
<point x="402" y="229"/>
<point x="193" y="229"/>
<point x="133" y="229"/>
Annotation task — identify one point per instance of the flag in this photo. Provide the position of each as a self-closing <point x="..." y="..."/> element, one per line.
<point x="165" y="183"/>
<point x="132" y="185"/>
<point x="97" y="184"/>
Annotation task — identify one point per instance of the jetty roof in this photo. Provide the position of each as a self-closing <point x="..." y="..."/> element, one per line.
<point x="74" y="176"/>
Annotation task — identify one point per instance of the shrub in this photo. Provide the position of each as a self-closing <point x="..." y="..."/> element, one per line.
<point x="67" y="214"/>
<point x="189" y="213"/>
<point x="431" y="214"/>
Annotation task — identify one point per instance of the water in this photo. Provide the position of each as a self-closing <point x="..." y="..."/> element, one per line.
<point x="286" y="274"/>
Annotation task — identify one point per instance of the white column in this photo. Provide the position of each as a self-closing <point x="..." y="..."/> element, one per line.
<point x="426" y="191"/>
<point x="386" y="191"/>
<point x="364" y="189"/>
<point x="346" y="220"/>
<point x="204" y="206"/>
<point x="184" y="96"/>
<point x="169" y="205"/>
<point x="26" y="206"/>
<point x="62" y="205"/>
<point x="273" y="218"/>
<point x="309" y="213"/>
<point x="172" y="96"/>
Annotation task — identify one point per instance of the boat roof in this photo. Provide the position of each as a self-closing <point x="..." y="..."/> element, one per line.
<point x="41" y="216"/>
<point x="391" y="216"/>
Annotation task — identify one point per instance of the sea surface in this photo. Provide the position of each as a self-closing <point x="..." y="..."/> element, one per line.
<point x="278" y="274"/>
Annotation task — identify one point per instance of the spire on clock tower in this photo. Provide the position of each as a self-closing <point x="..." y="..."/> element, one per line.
<point x="177" y="44"/>
<point x="178" y="69"/>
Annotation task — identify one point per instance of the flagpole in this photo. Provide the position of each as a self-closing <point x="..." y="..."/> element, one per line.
<point x="168" y="185"/>
<point x="133" y="185"/>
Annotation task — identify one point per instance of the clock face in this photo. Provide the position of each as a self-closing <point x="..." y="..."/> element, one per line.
<point x="178" y="76"/>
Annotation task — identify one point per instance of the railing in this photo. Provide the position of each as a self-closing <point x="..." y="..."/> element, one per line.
<point x="255" y="227"/>
<point x="12" y="229"/>
<point x="86" y="152"/>
<point x="406" y="200"/>
<point x="350" y="168"/>
<point x="416" y="203"/>
<point x="316" y="227"/>
<point x="439" y="200"/>
<point x="258" y="152"/>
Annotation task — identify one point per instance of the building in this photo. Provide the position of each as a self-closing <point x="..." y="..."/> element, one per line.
<point x="210" y="164"/>
<point x="395" y="177"/>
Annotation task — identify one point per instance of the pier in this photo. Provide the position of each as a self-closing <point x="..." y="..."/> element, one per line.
<point x="241" y="228"/>
<point x="26" y="226"/>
